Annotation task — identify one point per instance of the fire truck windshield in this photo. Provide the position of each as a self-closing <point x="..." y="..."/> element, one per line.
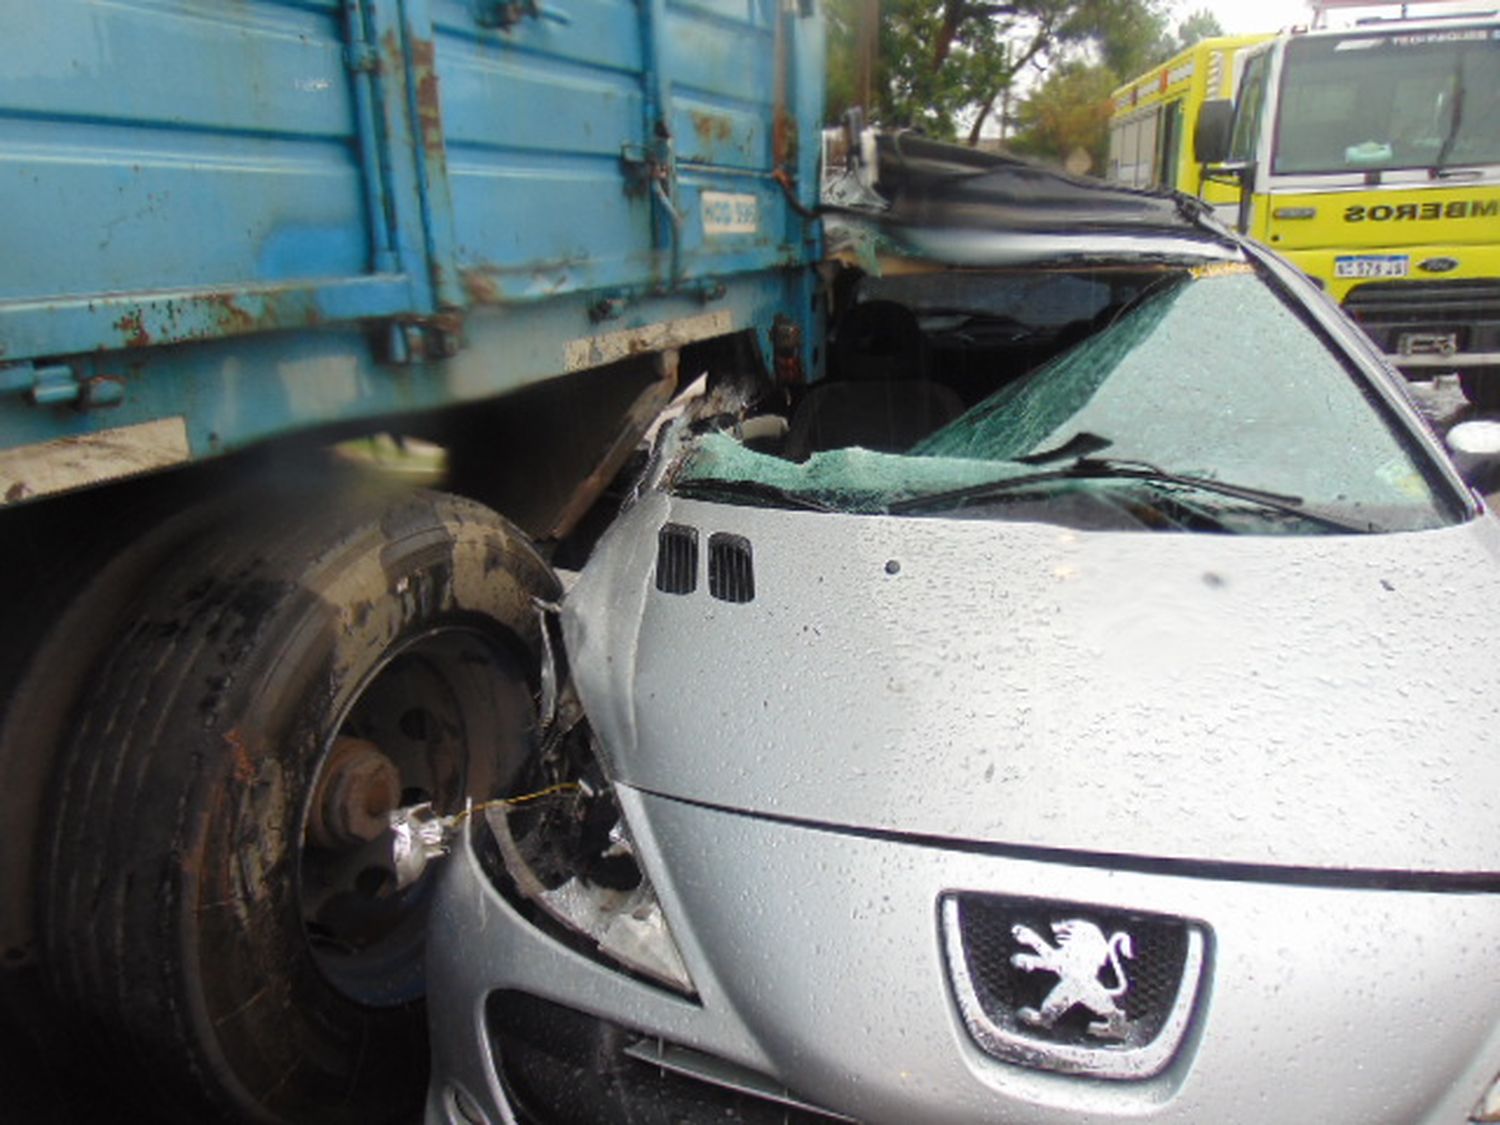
<point x="1374" y="101"/>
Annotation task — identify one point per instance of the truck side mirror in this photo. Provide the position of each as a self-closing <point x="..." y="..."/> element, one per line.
<point x="1211" y="134"/>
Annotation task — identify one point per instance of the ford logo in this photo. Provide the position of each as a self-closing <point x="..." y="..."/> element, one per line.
<point x="1438" y="265"/>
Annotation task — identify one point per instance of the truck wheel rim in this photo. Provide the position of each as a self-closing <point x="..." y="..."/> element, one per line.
<point x="426" y="726"/>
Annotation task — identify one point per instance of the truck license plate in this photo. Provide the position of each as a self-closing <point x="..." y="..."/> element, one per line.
<point x="730" y="213"/>
<point x="1372" y="265"/>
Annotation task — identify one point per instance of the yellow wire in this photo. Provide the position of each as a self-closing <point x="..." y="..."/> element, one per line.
<point x="561" y="787"/>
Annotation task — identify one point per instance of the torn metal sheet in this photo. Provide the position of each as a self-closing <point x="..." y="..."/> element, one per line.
<point x="626" y="925"/>
<point x="907" y="197"/>
<point x="419" y="835"/>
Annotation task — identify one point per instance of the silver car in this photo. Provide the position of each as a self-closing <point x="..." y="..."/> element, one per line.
<point x="1076" y="708"/>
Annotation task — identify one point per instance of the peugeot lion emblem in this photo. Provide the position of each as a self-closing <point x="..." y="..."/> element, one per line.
<point x="1077" y="988"/>
<point x="1081" y="954"/>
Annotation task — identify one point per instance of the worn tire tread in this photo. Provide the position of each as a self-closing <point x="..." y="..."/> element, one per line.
<point x="129" y="785"/>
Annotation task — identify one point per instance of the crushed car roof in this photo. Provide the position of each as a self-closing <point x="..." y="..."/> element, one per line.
<point x="960" y="206"/>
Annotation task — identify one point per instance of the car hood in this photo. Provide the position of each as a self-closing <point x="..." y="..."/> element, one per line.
<point x="1299" y="701"/>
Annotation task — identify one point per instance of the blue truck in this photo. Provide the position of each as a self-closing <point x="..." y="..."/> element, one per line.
<point x="237" y="234"/>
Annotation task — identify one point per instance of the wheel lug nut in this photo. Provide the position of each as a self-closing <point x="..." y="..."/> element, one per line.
<point x="354" y="797"/>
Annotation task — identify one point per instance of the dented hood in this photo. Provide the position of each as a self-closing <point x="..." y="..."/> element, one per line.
<point x="1299" y="701"/>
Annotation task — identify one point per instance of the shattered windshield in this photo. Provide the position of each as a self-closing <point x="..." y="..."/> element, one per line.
<point x="1204" y="403"/>
<point x="1368" y="102"/>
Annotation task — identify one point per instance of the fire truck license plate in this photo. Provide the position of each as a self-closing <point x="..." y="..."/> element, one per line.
<point x="1372" y="265"/>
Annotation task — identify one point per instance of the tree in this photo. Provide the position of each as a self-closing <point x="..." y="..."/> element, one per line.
<point x="940" y="57"/>
<point x="1134" y="37"/>
<point x="1067" y="114"/>
<point x="842" y="88"/>
<point x="940" y="60"/>
<point x="1198" y="26"/>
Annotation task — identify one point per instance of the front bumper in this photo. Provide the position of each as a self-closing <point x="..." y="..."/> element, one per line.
<point x="819" y="964"/>
<point x="1422" y="321"/>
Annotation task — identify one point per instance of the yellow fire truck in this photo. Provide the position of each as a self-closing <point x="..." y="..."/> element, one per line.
<point x="1368" y="156"/>
<point x="1151" y="126"/>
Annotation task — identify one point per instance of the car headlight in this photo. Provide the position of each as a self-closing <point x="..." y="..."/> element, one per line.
<point x="562" y="854"/>
<point x="621" y="917"/>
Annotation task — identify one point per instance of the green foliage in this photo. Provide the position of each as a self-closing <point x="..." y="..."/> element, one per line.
<point x="1067" y="113"/>
<point x="945" y="62"/>
<point x="842" y="90"/>
<point x="1198" y="26"/>
<point x="1133" y="37"/>
<point x="937" y="58"/>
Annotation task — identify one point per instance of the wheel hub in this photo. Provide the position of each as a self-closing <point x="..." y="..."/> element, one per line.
<point x="358" y="790"/>
<point x="444" y="718"/>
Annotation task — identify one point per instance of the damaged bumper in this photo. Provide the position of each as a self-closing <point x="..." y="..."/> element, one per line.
<point x="822" y="979"/>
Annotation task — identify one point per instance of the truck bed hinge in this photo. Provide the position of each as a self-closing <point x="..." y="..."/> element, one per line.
<point x="57" y="384"/>
<point x="416" y="339"/>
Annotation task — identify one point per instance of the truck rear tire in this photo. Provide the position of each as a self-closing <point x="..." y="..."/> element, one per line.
<point x="206" y="917"/>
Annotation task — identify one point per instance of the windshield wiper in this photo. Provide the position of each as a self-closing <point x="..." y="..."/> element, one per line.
<point x="1091" y="468"/>
<point x="1080" y="445"/>
<point x="732" y="490"/>
<point x="1440" y="161"/>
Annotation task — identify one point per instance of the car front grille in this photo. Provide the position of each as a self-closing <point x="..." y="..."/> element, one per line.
<point x="1125" y="1026"/>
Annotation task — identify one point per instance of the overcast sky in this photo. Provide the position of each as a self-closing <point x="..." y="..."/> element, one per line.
<point x="1240" y="17"/>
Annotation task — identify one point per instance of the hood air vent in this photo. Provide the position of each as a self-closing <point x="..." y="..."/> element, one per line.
<point x="731" y="576"/>
<point x="677" y="559"/>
